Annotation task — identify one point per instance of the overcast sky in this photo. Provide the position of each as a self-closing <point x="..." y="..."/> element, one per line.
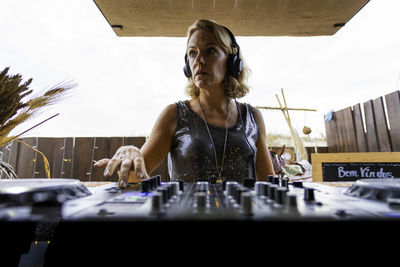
<point x="124" y="83"/>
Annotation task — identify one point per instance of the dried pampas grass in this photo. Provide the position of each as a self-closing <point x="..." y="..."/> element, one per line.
<point x="16" y="107"/>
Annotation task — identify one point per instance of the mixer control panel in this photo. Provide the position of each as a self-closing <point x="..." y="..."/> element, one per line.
<point x="276" y="199"/>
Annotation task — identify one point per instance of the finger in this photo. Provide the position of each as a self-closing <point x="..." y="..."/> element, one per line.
<point x="126" y="166"/>
<point x="101" y="162"/>
<point x="140" y="168"/>
<point x="111" y="166"/>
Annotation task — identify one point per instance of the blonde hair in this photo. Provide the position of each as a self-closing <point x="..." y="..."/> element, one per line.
<point x="233" y="87"/>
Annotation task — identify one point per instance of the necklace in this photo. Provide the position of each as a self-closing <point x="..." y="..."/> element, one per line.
<point x="219" y="170"/>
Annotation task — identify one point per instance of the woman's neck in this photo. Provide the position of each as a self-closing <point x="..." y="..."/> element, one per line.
<point x="215" y="101"/>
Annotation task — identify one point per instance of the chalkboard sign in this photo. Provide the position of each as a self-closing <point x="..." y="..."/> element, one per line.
<point x="352" y="171"/>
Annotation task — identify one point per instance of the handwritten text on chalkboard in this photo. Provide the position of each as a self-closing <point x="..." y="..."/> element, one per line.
<point x="354" y="171"/>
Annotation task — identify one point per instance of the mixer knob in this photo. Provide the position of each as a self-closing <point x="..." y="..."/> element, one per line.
<point x="157" y="179"/>
<point x="175" y="188"/>
<point x="201" y="200"/>
<point x="271" y="191"/>
<point x="280" y="195"/>
<point x="246" y="203"/>
<point x="229" y="187"/>
<point x="266" y="188"/>
<point x="180" y="185"/>
<point x="156" y="203"/>
<point x="285" y="182"/>
<point x="202" y="186"/>
<point x="164" y="194"/>
<point x="260" y="188"/>
<point x="239" y="193"/>
<point x="309" y="194"/>
<point x="248" y="182"/>
<point x="146" y="185"/>
<point x="152" y="182"/>
<point x="275" y="180"/>
<point x="291" y="201"/>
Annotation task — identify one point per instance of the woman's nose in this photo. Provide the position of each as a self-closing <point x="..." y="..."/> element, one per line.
<point x="199" y="59"/>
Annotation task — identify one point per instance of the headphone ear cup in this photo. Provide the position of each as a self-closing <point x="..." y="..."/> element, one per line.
<point x="234" y="65"/>
<point x="186" y="68"/>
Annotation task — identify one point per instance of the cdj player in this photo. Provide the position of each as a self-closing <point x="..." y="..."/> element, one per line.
<point x="54" y="221"/>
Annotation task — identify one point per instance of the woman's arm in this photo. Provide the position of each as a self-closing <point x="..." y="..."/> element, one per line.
<point x="151" y="154"/>
<point x="264" y="165"/>
<point x="159" y="142"/>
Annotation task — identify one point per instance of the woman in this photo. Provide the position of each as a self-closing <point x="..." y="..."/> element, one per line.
<point x="210" y="135"/>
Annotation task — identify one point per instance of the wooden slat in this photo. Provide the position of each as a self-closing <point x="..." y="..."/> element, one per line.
<point x="25" y="165"/>
<point x="56" y="161"/>
<point x="113" y="144"/>
<point x="381" y="125"/>
<point x="371" y="136"/>
<point x="351" y="143"/>
<point x="51" y="148"/>
<point x="393" y="112"/>
<point x="82" y="163"/>
<point x="359" y="129"/>
<point x="341" y="131"/>
<point x="332" y="139"/>
<point x="67" y="158"/>
<point x="137" y="141"/>
<point x="100" y="151"/>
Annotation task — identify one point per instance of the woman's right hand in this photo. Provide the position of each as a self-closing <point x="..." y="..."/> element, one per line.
<point x="126" y="158"/>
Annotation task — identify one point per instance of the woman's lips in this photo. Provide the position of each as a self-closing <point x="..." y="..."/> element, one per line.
<point x="201" y="74"/>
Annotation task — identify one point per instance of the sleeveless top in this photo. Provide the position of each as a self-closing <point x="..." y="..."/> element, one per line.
<point x="191" y="157"/>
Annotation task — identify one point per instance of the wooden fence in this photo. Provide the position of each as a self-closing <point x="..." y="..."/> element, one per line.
<point x="73" y="157"/>
<point x="69" y="157"/>
<point x="372" y="127"/>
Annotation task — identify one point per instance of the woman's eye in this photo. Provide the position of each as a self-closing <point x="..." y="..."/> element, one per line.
<point x="210" y="50"/>
<point x="192" y="54"/>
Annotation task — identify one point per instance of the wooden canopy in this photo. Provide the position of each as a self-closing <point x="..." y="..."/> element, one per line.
<point x="171" y="18"/>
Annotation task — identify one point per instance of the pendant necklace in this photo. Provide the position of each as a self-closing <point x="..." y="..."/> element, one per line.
<point x="219" y="170"/>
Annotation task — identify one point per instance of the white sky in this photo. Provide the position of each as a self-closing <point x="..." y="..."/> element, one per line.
<point x="124" y="83"/>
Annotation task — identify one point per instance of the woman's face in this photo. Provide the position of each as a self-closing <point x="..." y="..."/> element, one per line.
<point x="207" y="60"/>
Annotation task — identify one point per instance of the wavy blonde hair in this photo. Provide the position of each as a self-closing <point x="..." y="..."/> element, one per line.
<point x="233" y="87"/>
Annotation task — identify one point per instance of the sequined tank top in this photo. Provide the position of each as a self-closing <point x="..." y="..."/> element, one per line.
<point x="191" y="157"/>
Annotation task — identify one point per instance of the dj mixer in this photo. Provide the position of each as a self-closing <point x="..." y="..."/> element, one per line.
<point x="49" y="219"/>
